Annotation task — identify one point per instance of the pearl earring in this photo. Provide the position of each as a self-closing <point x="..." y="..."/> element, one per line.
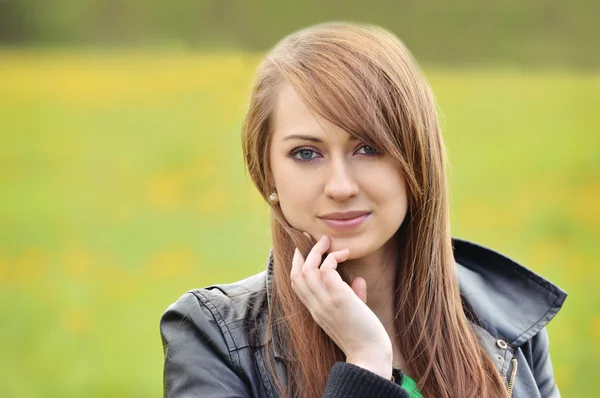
<point x="273" y="198"/>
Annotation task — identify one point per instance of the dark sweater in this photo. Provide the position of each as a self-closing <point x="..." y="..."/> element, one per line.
<point x="347" y="380"/>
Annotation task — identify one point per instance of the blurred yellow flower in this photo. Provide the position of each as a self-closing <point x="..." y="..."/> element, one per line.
<point x="77" y="321"/>
<point x="170" y="263"/>
<point x="77" y="262"/>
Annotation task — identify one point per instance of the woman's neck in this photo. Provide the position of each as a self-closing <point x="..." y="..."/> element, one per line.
<point x="378" y="269"/>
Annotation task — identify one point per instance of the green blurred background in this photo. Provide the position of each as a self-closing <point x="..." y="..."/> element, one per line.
<point x="122" y="182"/>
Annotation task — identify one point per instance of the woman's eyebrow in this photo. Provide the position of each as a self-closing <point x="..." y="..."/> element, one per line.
<point x="310" y="138"/>
<point x="302" y="137"/>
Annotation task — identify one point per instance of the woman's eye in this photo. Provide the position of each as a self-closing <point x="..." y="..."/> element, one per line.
<point x="368" y="150"/>
<point x="304" y="154"/>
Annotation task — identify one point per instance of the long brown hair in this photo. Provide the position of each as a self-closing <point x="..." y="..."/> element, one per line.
<point x="364" y="80"/>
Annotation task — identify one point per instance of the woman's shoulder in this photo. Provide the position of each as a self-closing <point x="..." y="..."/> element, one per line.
<point x="508" y="299"/>
<point x="209" y="337"/>
<point x="235" y="292"/>
<point x="233" y="308"/>
<point x="227" y="300"/>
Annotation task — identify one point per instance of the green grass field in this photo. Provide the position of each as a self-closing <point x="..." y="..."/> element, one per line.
<point x="122" y="186"/>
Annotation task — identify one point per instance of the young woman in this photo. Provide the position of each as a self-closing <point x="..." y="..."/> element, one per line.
<point x="365" y="292"/>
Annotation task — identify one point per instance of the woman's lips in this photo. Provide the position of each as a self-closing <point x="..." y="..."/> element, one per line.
<point x="347" y="223"/>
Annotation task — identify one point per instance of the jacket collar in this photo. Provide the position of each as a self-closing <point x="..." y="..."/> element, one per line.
<point x="510" y="301"/>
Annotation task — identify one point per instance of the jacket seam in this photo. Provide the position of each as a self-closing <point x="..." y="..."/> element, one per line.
<point x="526" y="332"/>
<point x="222" y="325"/>
<point x="261" y="362"/>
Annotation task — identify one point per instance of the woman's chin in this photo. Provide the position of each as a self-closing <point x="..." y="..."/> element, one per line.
<point x="356" y="247"/>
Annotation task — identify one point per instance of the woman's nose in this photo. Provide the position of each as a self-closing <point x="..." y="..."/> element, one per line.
<point x="341" y="183"/>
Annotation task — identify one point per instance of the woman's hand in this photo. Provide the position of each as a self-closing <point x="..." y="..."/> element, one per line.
<point x="341" y="310"/>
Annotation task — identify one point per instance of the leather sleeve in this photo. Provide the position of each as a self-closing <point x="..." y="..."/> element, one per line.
<point x="542" y="365"/>
<point x="197" y="359"/>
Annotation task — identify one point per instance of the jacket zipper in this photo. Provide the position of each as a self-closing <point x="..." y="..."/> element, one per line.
<point x="513" y="373"/>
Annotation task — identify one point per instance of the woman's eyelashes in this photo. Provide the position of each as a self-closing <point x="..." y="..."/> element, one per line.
<point x="369" y="150"/>
<point x="304" y="154"/>
<point x="308" y="154"/>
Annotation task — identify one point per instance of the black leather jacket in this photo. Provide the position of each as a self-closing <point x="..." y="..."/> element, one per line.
<point x="213" y="338"/>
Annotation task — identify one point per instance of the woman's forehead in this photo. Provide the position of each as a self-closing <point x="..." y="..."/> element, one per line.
<point x="294" y="120"/>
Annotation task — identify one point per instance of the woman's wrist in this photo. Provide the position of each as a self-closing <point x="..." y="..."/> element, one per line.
<point x="379" y="363"/>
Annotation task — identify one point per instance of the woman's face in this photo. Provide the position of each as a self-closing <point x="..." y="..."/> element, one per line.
<point x="330" y="183"/>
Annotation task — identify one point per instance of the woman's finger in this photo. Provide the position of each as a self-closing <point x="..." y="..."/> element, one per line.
<point x="313" y="278"/>
<point x="306" y="297"/>
<point x="359" y="286"/>
<point x="329" y="280"/>
<point x="303" y="279"/>
<point x="313" y="260"/>
<point x="334" y="258"/>
<point x="297" y="263"/>
<point x="300" y="284"/>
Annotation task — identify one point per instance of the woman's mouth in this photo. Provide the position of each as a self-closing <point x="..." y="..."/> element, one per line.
<point x="346" y="220"/>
